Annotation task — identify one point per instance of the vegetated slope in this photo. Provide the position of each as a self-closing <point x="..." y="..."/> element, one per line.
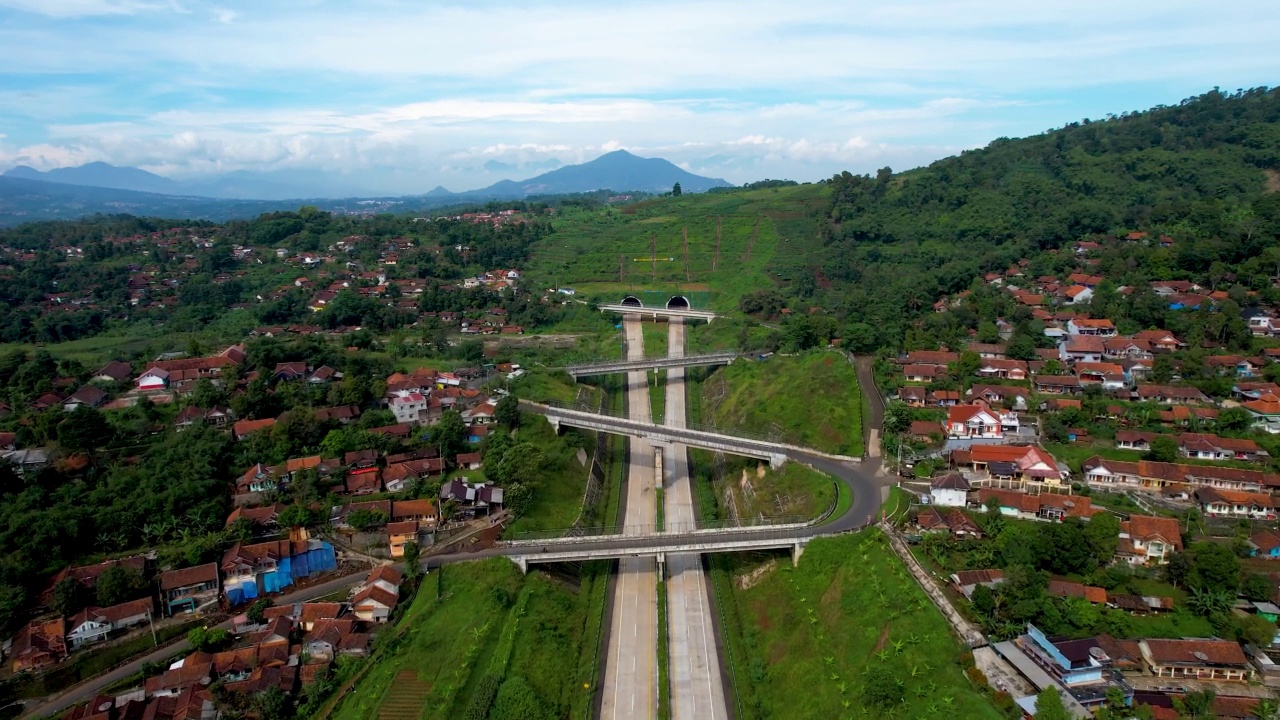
<point x="1194" y="171"/>
<point x="473" y="620"/>
<point x="847" y="629"/>
<point x="811" y="400"/>
<point x="738" y="241"/>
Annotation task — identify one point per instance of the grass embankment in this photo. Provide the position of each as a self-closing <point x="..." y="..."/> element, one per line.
<point x="810" y="400"/>
<point x="759" y="492"/>
<point x="799" y="640"/>
<point x="655" y="339"/>
<point x="557" y="499"/>
<point x="544" y="386"/>
<point x="460" y="653"/>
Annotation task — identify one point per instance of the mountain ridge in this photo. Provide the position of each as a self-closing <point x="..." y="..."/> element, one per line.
<point x="618" y="170"/>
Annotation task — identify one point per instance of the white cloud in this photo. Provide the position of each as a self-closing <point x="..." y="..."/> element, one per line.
<point x="741" y="88"/>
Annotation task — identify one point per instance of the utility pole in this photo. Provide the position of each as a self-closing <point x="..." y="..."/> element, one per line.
<point x="622" y="273"/>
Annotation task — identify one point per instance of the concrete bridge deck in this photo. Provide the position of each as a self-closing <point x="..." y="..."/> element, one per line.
<point x="657" y="312"/>
<point x="619" y="366"/>
<point x="791" y="537"/>
<point x="661" y="434"/>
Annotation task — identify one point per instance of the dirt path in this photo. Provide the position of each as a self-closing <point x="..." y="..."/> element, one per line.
<point x="882" y="640"/>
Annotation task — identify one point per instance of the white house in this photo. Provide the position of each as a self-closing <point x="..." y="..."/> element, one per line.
<point x="408" y="407"/>
<point x="153" y="379"/>
<point x="1145" y="539"/>
<point x="950" y="490"/>
<point x="975" y="421"/>
<point x="94" y="624"/>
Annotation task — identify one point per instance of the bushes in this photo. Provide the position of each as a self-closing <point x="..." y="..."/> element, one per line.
<point x="486" y="692"/>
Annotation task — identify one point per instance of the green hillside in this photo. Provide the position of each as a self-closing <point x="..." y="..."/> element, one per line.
<point x="765" y="236"/>
<point x="811" y="400"/>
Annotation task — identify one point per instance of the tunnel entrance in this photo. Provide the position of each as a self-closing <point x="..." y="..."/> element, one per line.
<point x="678" y="302"/>
<point x="632" y="301"/>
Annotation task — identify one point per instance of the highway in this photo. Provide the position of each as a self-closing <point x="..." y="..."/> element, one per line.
<point x="631" y="670"/>
<point x="697" y="691"/>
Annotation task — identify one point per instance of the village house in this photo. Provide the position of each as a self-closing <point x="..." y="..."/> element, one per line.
<point x="94" y="624"/>
<point x="244" y="428"/>
<point x="1155" y="476"/>
<point x="1265" y="544"/>
<point x="1018" y="464"/>
<point x="1089" y="326"/>
<point x="953" y="522"/>
<point x="400" y="534"/>
<point x="978" y="421"/>
<point x="1117" y="348"/>
<point x="1216" y="502"/>
<point x="87" y="396"/>
<point x="923" y="373"/>
<point x="249" y="571"/>
<point x="472" y="499"/>
<point x="1265" y="413"/>
<point x="1083" y="348"/>
<point x="38" y="644"/>
<point x="1048" y="507"/>
<point x="1196" y="445"/>
<point x="1171" y="395"/>
<point x="189" y="589"/>
<point x="1109" y="375"/>
<point x="1146" y="540"/>
<point x="1002" y="368"/>
<point x="950" y="490"/>
<point x="966" y="581"/>
<point x="409" y="407"/>
<point x="1218" y="660"/>
<point x="1057" y="384"/>
<point x="377" y="596"/>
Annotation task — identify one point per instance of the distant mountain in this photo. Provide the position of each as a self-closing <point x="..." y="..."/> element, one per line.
<point x="618" y="170"/>
<point x="100" y="174"/>
<point x="236" y="185"/>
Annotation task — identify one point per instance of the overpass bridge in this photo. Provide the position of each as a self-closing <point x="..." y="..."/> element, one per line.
<point x="775" y="453"/>
<point x="670" y="311"/>
<point x="654" y="544"/>
<point x="621" y="366"/>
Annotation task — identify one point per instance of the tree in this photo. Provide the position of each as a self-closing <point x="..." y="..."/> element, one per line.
<point x="273" y="704"/>
<point x="1216" y="568"/>
<point x="119" y="584"/>
<point x="882" y="688"/>
<point x="676" y="191"/>
<point x="362" y="519"/>
<point x="897" y="417"/>
<point x="1021" y="347"/>
<point x="69" y="596"/>
<point x="450" y="434"/>
<point x="1163" y="449"/>
<point x="296" y="515"/>
<point x="1195" y="705"/>
<point x="1255" y="630"/>
<point x="208" y="639"/>
<point x="1257" y="586"/>
<point x="507" y="411"/>
<point x="1103" y="533"/>
<point x="256" y="611"/>
<point x="1049" y="705"/>
<point x="411" y="554"/>
<point x="1162" y="369"/>
<point x="1235" y="419"/>
<point x="523" y="464"/>
<point x="83" y="430"/>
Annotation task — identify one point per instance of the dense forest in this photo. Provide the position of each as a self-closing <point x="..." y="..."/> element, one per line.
<point x="1204" y="173"/>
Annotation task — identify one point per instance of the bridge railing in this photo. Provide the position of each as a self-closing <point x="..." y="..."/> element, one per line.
<point x="772" y="438"/>
<point x="661" y="542"/>
<point x="644" y="531"/>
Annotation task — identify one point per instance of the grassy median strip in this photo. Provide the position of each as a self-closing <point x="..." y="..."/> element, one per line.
<point x="664" y="657"/>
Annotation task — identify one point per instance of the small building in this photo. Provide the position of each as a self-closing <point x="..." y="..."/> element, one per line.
<point x="966" y="580"/>
<point x="189" y="589"/>
<point x="1219" y="660"/>
<point x="950" y="490"/>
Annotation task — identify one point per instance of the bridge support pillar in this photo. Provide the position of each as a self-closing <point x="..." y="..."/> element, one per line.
<point x="521" y="562"/>
<point x="555" y="424"/>
<point x="777" y="460"/>
<point x="796" y="551"/>
<point x="662" y="566"/>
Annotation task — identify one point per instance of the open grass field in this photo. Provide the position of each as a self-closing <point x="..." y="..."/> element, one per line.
<point x="802" y="639"/>
<point x="736" y="243"/>
<point x="810" y="400"/>
<point x="455" y="637"/>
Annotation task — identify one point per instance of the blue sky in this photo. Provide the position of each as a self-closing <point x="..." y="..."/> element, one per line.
<point x="403" y="96"/>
